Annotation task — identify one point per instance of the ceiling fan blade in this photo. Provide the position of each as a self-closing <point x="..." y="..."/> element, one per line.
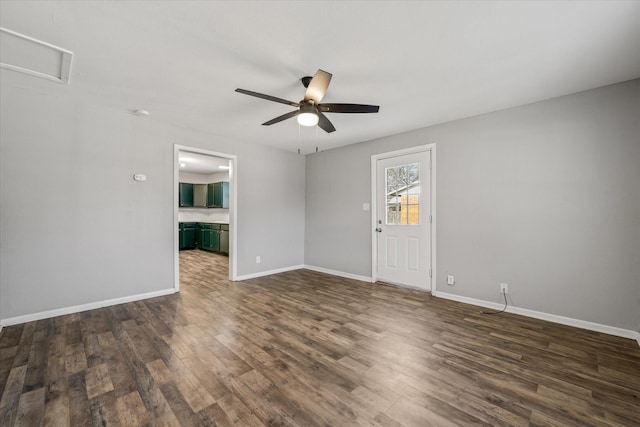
<point x="325" y="124"/>
<point x="268" y="97"/>
<point x="318" y="87"/>
<point x="281" y="118"/>
<point x="348" y="108"/>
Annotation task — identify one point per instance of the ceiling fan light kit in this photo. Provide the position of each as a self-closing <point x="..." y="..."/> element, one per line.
<point x="310" y="110"/>
<point x="308" y="115"/>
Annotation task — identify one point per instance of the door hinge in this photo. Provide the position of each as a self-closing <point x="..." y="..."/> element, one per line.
<point x="430" y="218"/>
<point x="430" y="272"/>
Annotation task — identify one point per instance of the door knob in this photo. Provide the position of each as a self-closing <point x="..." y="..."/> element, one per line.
<point x="379" y="230"/>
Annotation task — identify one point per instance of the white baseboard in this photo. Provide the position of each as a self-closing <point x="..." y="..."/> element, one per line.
<point x="583" y="324"/>
<point x="83" y="307"/>
<point x="638" y="338"/>
<point x="268" y="273"/>
<point x="338" y="273"/>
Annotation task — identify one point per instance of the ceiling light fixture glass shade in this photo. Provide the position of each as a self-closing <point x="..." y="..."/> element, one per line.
<point x="308" y="119"/>
<point x="308" y="115"/>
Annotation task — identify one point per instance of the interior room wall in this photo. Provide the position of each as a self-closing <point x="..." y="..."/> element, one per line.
<point x="203" y="178"/>
<point x="544" y="197"/>
<point x="76" y="228"/>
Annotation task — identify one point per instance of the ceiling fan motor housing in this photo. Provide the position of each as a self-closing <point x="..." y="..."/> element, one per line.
<point x="308" y="107"/>
<point x="306" y="80"/>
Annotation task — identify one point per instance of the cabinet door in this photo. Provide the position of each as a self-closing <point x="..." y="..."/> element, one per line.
<point x="215" y="240"/>
<point x="206" y="239"/>
<point x="185" y="192"/>
<point x="199" y="195"/>
<point x="224" y="242"/>
<point x="181" y="237"/>
<point x="221" y="195"/>
<point x="189" y="236"/>
<point x="210" y="191"/>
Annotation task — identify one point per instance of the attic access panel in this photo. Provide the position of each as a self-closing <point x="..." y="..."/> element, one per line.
<point x="28" y="55"/>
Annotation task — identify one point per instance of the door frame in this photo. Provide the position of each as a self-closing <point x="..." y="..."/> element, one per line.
<point x="374" y="206"/>
<point x="233" y="211"/>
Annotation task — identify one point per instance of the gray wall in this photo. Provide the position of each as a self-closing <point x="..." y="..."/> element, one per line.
<point x="74" y="226"/>
<point x="545" y="197"/>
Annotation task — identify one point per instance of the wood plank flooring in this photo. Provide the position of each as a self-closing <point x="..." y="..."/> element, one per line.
<point x="307" y="349"/>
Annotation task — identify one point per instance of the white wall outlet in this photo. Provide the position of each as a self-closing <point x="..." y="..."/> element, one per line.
<point x="258" y="259"/>
<point x="504" y="288"/>
<point x="451" y="280"/>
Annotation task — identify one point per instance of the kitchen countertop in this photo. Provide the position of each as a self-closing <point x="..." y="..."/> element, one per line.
<point x="206" y="222"/>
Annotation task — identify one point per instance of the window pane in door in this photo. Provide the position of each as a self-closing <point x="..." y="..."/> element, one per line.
<point x="403" y="194"/>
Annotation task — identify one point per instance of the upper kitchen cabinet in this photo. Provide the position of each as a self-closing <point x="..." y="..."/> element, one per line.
<point x="218" y="195"/>
<point x="185" y="195"/>
<point x="215" y="195"/>
<point x="200" y="195"/>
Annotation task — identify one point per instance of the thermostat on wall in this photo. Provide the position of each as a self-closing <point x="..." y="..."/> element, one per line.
<point x="139" y="177"/>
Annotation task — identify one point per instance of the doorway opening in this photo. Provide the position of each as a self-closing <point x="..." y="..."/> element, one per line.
<point x="205" y="205"/>
<point x="403" y="220"/>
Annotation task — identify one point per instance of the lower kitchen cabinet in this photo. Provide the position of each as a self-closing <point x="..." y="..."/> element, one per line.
<point x="224" y="238"/>
<point x="213" y="237"/>
<point x="187" y="235"/>
<point x="204" y="236"/>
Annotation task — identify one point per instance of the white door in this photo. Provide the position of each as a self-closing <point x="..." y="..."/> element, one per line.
<point x="403" y="225"/>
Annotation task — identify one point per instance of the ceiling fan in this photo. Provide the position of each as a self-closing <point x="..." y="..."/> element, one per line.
<point x="310" y="111"/>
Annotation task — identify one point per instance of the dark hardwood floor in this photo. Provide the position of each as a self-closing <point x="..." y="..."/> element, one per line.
<point x="308" y="349"/>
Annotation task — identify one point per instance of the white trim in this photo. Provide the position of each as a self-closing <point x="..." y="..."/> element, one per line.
<point x="233" y="211"/>
<point x="65" y="65"/>
<point x="84" y="307"/>
<point x="583" y="324"/>
<point x="374" y="206"/>
<point x="338" y="273"/>
<point x="269" y="273"/>
<point x="638" y="338"/>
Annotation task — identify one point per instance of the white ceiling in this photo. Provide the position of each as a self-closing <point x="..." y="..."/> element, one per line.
<point x="422" y="62"/>
<point x="200" y="163"/>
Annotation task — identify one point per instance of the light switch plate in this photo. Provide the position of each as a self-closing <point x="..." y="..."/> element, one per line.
<point x="365" y="207"/>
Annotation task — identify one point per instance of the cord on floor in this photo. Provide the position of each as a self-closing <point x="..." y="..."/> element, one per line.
<point x="501" y="311"/>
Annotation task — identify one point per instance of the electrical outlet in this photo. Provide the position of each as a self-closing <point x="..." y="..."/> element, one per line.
<point x="451" y="280"/>
<point x="504" y="288"/>
<point x="258" y="259"/>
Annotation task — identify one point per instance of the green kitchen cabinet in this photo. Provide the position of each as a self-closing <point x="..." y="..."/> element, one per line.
<point x="215" y="238"/>
<point x="185" y="195"/>
<point x="218" y="195"/>
<point x="187" y="234"/>
<point x="210" y="191"/>
<point x="224" y="239"/>
<point x="200" y="195"/>
<point x="204" y="236"/>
